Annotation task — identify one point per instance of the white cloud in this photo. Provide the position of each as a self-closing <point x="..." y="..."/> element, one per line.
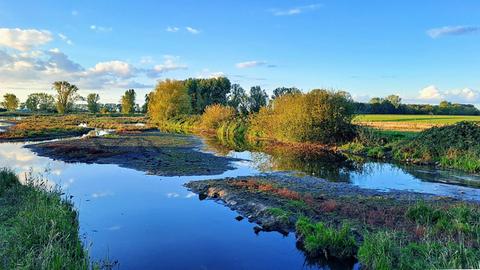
<point x="207" y="74"/>
<point x="192" y="30"/>
<point x="113" y="68"/>
<point x="250" y="64"/>
<point x="452" y="31"/>
<point x="430" y="93"/>
<point x="466" y="95"/>
<point x="23" y="39"/>
<point x="65" y="38"/>
<point x="295" y="10"/>
<point x="170" y="63"/>
<point x="100" y="29"/>
<point x="433" y="94"/>
<point x="172" y="29"/>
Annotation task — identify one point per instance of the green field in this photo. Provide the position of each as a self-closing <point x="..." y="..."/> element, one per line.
<point x="412" y="123"/>
<point x="427" y="119"/>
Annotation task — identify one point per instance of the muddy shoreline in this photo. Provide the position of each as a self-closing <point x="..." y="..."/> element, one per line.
<point x="153" y="152"/>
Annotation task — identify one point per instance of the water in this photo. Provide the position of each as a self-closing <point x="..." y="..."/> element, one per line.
<point x="147" y="222"/>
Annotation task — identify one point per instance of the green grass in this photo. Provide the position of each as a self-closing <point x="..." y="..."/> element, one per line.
<point x="38" y="229"/>
<point x="322" y="240"/>
<point x="449" y="238"/>
<point x="427" y="119"/>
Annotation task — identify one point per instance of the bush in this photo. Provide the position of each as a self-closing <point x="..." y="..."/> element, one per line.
<point x="169" y="99"/>
<point x="319" y="116"/>
<point x="215" y="115"/>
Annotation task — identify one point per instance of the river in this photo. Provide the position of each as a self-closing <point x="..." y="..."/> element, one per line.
<point x="150" y="222"/>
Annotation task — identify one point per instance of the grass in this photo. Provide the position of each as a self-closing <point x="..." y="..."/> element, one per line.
<point x="38" y="229"/>
<point x="446" y="237"/>
<point x="322" y="240"/>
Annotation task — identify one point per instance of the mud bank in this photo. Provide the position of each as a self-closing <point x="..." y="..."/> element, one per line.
<point x="150" y="151"/>
<point x="275" y="201"/>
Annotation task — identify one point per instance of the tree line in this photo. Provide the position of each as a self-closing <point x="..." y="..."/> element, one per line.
<point x="393" y="105"/>
<point x="65" y="99"/>
<point x="205" y="92"/>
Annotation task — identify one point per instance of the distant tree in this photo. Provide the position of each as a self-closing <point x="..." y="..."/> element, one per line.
<point x="147" y="101"/>
<point x="92" y="102"/>
<point x="376" y="100"/>
<point x="395" y="100"/>
<point x="238" y="99"/>
<point x="280" y="91"/>
<point x="10" y="102"/>
<point x="169" y="99"/>
<point x="128" y="102"/>
<point x="32" y="102"/>
<point x="66" y="96"/>
<point x="258" y="99"/>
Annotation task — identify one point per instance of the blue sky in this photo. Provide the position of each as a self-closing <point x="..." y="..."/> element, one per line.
<point x="424" y="51"/>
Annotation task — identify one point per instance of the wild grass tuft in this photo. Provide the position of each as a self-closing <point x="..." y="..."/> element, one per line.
<point x="319" y="239"/>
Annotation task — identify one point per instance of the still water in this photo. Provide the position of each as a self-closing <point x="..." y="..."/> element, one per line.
<point x="151" y="222"/>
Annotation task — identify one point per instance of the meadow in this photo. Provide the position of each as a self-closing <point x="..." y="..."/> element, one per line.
<point x="405" y="122"/>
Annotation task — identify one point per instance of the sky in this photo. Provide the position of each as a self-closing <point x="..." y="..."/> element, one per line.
<point x="424" y="51"/>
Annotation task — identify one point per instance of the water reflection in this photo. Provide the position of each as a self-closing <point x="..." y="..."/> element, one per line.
<point x="355" y="170"/>
<point x="147" y="221"/>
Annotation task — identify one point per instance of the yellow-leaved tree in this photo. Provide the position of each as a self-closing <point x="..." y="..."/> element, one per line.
<point x="170" y="99"/>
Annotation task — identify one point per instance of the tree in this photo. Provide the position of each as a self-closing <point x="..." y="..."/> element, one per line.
<point x="395" y="100"/>
<point x="238" y="99"/>
<point x="128" y="102"/>
<point x="258" y="99"/>
<point x="145" y="105"/>
<point x="92" y="102"/>
<point x="10" y="102"/>
<point x="280" y="91"/>
<point x="169" y="99"/>
<point x="204" y="92"/>
<point x="66" y="96"/>
<point x="32" y="102"/>
<point x="318" y="116"/>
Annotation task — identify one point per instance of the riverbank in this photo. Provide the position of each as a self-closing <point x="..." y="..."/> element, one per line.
<point x="446" y="147"/>
<point x="38" y="229"/>
<point x="420" y="228"/>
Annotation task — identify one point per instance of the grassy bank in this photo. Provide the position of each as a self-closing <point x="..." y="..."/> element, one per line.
<point x="38" y="229"/>
<point x="455" y="146"/>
